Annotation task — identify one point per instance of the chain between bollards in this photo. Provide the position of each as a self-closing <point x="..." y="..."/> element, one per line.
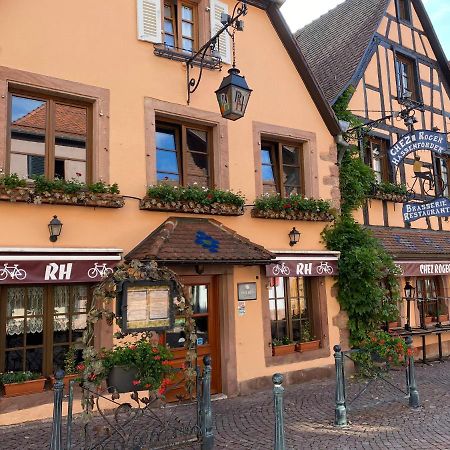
<point x="414" y="401"/>
<point x="278" y="391"/>
<point x="340" y="410"/>
<point x="58" y="387"/>
<point x="206" y="411"/>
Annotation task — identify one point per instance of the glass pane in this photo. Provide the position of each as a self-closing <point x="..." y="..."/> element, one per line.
<point x="293" y="287"/>
<point x="59" y="355"/>
<point x="70" y="142"/>
<point x="169" y="40"/>
<point x="14" y="333"/>
<point x="168" y="178"/>
<point x="281" y="309"/>
<point x="165" y="139"/>
<point x="80" y="298"/>
<point x="168" y="26"/>
<point x="34" y="360"/>
<point x="176" y="337"/>
<point x="267" y="174"/>
<point x="28" y="129"/>
<point x="35" y="301"/>
<point x="291" y="176"/>
<point x="187" y="13"/>
<point x="61" y="299"/>
<point x="61" y="329"/>
<point x="265" y="156"/>
<point x="290" y="155"/>
<point x="272" y="308"/>
<point x="296" y="335"/>
<point x="199" y="299"/>
<point x="166" y="161"/>
<point x="202" y="330"/>
<point x="14" y="361"/>
<point x="197" y="140"/>
<point x="201" y="181"/>
<point x="188" y="29"/>
<point x="197" y="164"/>
<point x="78" y="322"/>
<point x="295" y="308"/>
<point x="188" y="45"/>
<point x="167" y="11"/>
<point x="35" y="331"/>
<point x="279" y="283"/>
<point x="292" y="190"/>
<point x="16" y="302"/>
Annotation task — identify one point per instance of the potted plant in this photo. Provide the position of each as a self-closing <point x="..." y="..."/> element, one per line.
<point x="308" y="341"/>
<point x="443" y="314"/>
<point x="21" y="383"/>
<point x="71" y="368"/>
<point x="282" y="346"/>
<point x="138" y="366"/>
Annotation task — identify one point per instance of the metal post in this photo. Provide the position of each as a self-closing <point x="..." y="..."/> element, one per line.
<point x="278" y="391"/>
<point x="69" y="416"/>
<point x="439" y="335"/>
<point x="340" y="410"/>
<point x="58" y="387"/>
<point x="206" y="411"/>
<point x="413" y="393"/>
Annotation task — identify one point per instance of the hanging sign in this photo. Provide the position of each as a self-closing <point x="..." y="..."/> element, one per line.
<point x="418" y="140"/>
<point x="438" y="207"/>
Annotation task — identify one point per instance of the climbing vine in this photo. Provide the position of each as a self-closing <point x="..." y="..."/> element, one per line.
<point x="368" y="288"/>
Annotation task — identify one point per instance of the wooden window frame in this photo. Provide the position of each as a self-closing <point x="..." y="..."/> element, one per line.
<point x="180" y="128"/>
<point x="438" y="161"/>
<point x="48" y="343"/>
<point x="404" y="12"/>
<point x="427" y="303"/>
<point x="276" y="149"/>
<point x="50" y="139"/>
<point x="411" y="65"/>
<point x="385" y="172"/>
<point x="38" y="85"/>
<point x="176" y="8"/>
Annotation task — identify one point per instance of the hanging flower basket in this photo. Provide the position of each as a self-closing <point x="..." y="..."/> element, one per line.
<point x="390" y="192"/>
<point x="120" y="379"/>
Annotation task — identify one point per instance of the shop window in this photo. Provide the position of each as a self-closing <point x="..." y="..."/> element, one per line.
<point x="407" y="85"/>
<point x="427" y="293"/>
<point x="49" y="136"/>
<point x="404" y="10"/>
<point x="41" y="323"/>
<point x="291" y="309"/>
<point x="376" y="157"/>
<point x="183" y="155"/>
<point x="180" y="25"/>
<point x="281" y="169"/>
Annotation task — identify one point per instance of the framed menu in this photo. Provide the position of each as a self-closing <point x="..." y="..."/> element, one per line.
<point x="147" y="306"/>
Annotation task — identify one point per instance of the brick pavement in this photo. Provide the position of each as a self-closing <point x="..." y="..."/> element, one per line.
<point x="380" y="418"/>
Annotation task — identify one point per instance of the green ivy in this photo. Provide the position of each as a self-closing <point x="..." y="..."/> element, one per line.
<point x="12" y="181"/>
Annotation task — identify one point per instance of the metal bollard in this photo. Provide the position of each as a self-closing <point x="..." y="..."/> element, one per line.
<point x="413" y="392"/>
<point x="206" y="411"/>
<point x="278" y="391"/>
<point x="340" y="410"/>
<point x="58" y="387"/>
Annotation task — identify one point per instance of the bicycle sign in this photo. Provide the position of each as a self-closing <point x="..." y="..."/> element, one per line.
<point x="13" y="272"/>
<point x="324" y="269"/>
<point x="303" y="267"/>
<point x="99" y="270"/>
<point x="282" y="269"/>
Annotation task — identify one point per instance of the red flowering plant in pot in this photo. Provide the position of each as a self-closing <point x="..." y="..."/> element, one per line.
<point x="142" y="365"/>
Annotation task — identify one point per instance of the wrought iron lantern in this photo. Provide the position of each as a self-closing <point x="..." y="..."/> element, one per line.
<point x="409" y="293"/>
<point x="294" y="237"/>
<point x="409" y="290"/>
<point x="233" y="95"/>
<point x="54" y="227"/>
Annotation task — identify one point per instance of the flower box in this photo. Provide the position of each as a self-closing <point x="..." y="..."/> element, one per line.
<point x="83" y="198"/>
<point x="307" y="346"/>
<point x="221" y="209"/>
<point x="397" y="198"/>
<point x="279" y="350"/>
<point x="67" y="379"/>
<point x="24" y="388"/>
<point x="18" y="194"/>
<point x="322" y="216"/>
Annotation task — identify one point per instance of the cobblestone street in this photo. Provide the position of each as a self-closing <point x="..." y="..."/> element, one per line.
<point x="380" y="418"/>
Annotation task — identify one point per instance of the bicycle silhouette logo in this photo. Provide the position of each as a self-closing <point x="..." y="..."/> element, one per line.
<point x="324" y="268"/>
<point x="13" y="272"/>
<point x="99" y="270"/>
<point x="281" y="269"/>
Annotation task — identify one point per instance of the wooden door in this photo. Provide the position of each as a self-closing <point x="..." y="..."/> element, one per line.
<point x="206" y="315"/>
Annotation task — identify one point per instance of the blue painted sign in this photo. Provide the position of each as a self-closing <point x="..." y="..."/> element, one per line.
<point x="207" y="242"/>
<point x="438" y="207"/>
<point x="418" y="140"/>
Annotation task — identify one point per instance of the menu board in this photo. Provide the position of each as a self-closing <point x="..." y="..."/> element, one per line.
<point x="148" y="307"/>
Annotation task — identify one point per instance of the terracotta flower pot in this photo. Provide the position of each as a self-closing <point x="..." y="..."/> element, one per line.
<point x="443" y="318"/>
<point x="279" y="350"/>
<point x="121" y="379"/>
<point x="429" y="319"/>
<point x="24" y="388"/>
<point x="393" y="325"/>
<point x="66" y="379"/>
<point x="307" y="346"/>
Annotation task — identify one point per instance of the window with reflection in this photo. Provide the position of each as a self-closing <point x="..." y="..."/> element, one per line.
<point x="182" y="155"/>
<point x="281" y="169"/>
<point x="42" y="323"/>
<point x="404" y="10"/>
<point x="49" y="137"/>
<point x="377" y="158"/>
<point x="427" y="292"/>
<point x="291" y="309"/>
<point x="407" y="84"/>
<point x="180" y="25"/>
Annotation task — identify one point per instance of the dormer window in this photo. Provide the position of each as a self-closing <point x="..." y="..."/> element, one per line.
<point x="404" y="10"/>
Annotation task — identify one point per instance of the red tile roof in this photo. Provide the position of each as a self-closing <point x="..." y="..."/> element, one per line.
<point x="198" y="241"/>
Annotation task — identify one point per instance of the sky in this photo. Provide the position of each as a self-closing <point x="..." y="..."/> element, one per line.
<point x="298" y="13"/>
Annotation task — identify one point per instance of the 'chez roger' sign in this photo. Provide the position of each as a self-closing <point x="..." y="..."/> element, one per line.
<point x="418" y="268"/>
<point x="48" y="271"/>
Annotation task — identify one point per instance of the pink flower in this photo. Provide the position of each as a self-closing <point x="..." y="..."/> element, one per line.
<point x="157" y="357"/>
<point x="132" y="347"/>
<point x="136" y="382"/>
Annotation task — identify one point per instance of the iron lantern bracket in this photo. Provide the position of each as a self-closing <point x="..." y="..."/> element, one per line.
<point x="233" y="21"/>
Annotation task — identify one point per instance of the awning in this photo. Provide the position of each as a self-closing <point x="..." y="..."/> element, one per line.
<point x="56" y="265"/>
<point x="183" y="240"/>
<point x="305" y="264"/>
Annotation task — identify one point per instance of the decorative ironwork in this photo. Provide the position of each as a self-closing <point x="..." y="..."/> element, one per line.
<point x="210" y="48"/>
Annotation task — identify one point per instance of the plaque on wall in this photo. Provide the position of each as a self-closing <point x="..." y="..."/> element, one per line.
<point x="246" y="291"/>
<point x="146" y="306"/>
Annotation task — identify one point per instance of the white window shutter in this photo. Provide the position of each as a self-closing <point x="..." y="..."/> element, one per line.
<point x="149" y="20"/>
<point x="217" y="8"/>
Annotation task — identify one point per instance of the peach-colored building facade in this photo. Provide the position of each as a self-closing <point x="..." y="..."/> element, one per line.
<point x="100" y="61"/>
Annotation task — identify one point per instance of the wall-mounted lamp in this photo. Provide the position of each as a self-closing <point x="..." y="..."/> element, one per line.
<point x="409" y="293"/>
<point x="54" y="227"/>
<point x="294" y="237"/>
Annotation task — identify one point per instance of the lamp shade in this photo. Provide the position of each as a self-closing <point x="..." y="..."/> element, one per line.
<point x="54" y="227"/>
<point x="233" y="95"/>
<point x="409" y="290"/>
<point x="294" y="236"/>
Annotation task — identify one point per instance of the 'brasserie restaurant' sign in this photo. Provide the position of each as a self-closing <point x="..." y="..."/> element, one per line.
<point x="418" y="140"/>
<point x="438" y="207"/>
<point x="33" y="272"/>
